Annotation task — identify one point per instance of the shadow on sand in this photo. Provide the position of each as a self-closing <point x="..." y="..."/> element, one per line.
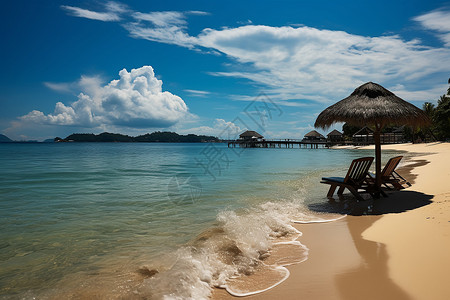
<point x="370" y="280"/>
<point x="396" y="202"/>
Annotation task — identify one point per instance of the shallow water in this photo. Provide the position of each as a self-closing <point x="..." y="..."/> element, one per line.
<point x="81" y="220"/>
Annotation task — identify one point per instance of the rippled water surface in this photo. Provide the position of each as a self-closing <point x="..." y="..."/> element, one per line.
<point x="74" y="211"/>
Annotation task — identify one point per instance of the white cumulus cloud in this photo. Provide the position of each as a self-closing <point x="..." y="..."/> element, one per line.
<point x="221" y="129"/>
<point x="134" y="100"/>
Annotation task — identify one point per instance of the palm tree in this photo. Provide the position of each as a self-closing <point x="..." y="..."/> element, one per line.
<point x="442" y="117"/>
<point x="442" y="99"/>
<point x="429" y="109"/>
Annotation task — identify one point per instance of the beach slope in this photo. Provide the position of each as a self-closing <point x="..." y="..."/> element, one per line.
<point x="402" y="253"/>
<point x="418" y="241"/>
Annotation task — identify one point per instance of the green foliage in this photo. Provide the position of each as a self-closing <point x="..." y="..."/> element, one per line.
<point x="441" y="118"/>
<point x="429" y="109"/>
<point x="349" y="130"/>
<point x="172" y="137"/>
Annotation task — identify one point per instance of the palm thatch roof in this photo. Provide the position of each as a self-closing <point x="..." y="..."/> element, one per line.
<point x="372" y="104"/>
<point x="250" y="133"/>
<point x="314" y="134"/>
<point x="335" y="133"/>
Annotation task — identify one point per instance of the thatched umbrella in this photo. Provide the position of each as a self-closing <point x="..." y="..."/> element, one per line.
<point x="373" y="105"/>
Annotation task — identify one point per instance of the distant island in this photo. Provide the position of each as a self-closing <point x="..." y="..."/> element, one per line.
<point x="5" y="139"/>
<point x="106" y="137"/>
<point x="155" y="137"/>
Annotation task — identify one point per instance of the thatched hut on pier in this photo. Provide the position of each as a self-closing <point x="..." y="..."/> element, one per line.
<point x="250" y="135"/>
<point x="364" y="136"/>
<point x="314" y="136"/>
<point x="335" y="136"/>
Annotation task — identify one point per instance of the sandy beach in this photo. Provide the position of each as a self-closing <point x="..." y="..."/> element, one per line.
<point x="399" y="253"/>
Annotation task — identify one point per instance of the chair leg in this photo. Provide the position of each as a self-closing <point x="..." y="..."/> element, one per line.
<point x="355" y="193"/>
<point x="397" y="185"/>
<point x="341" y="190"/>
<point x="388" y="187"/>
<point x="331" y="191"/>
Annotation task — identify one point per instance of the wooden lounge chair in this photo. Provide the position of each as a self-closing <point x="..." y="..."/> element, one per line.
<point x="353" y="181"/>
<point x="390" y="176"/>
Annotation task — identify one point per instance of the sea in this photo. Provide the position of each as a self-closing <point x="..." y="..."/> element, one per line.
<point x="157" y="220"/>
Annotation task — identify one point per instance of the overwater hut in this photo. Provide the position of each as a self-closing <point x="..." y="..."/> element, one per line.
<point x="394" y="137"/>
<point x="335" y="136"/>
<point x="364" y="136"/>
<point x="314" y="136"/>
<point x="250" y="135"/>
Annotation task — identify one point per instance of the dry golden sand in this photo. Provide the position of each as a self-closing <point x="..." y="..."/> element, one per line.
<point x="401" y="254"/>
<point x="418" y="241"/>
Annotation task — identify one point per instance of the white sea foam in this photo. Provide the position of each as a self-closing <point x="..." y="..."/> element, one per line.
<point x="246" y="254"/>
<point x="267" y="279"/>
<point x="315" y="219"/>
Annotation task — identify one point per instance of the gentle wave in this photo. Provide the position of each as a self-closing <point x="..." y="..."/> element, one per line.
<point x="262" y="280"/>
<point x="246" y="253"/>
<point x="105" y="220"/>
<point x="318" y="220"/>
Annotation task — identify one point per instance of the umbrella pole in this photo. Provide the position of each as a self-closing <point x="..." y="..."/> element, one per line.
<point x="376" y="137"/>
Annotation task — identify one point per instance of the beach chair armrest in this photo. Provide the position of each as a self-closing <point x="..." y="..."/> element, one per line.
<point x="333" y="179"/>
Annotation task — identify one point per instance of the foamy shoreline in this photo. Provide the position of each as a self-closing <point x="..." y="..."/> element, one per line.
<point x="402" y="254"/>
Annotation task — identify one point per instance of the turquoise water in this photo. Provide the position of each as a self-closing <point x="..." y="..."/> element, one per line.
<point x="75" y="214"/>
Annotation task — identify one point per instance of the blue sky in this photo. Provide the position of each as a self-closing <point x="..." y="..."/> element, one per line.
<point x="209" y="67"/>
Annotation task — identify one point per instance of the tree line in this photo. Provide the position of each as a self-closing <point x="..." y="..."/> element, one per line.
<point x="155" y="137"/>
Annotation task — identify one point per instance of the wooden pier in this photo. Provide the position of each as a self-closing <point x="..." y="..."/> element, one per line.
<point x="286" y="143"/>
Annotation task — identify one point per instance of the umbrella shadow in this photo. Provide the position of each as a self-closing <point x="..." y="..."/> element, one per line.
<point x="396" y="202"/>
<point x="370" y="279"/>
<point x="399" y="202"/>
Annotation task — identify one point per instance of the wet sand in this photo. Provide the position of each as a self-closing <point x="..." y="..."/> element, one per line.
<point x="400" y="253"/>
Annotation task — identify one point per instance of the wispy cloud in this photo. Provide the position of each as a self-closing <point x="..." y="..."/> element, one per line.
<point x="197" y="12"/>
<point x="248" y="22"/>
<point x="165" y="27"/>
<point x="116" y="7"/>
<point x="162" y="18"/>
<point x="112" y="12"/>
<point x="308" y="63"/>
<point x="438" y="20"/>
<point x="304" y="63"/>
<point x="198" y="93"/>
<point x="59" y="87"/>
